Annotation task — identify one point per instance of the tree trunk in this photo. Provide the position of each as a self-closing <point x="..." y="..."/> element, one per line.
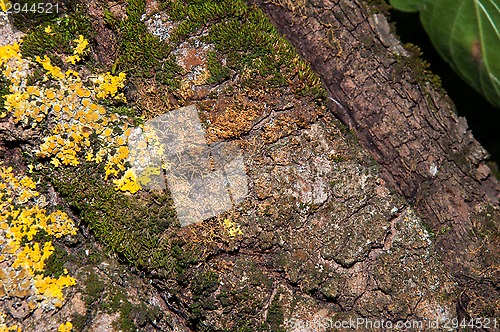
<point x="423" y="149"/>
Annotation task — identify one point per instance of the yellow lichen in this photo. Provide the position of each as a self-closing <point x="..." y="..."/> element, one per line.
<point x="128" y="182"/>
<point x="82" y="43"/>
<point x="108" y="85"/>
<point x="55" y="71"/>
<point x="66" y="327"/>
<point x="232" y="228"/>
<point x="51" y="288"/>
<point x="22" y="217"/>
<point x="68" y="114"/>
<point x="70" y="109"/>
<point x="4" y="4"/>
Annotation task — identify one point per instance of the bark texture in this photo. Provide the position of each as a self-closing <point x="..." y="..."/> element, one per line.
<point x="424" y="149"/>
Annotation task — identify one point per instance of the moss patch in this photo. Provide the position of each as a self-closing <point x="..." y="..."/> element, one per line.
<point x="61" y="38"/>
<point x="4" y="89"/>
<point x="55" y="263"/>
<point x="138" y="230"/>
<point x="36" y="12"/>
<point x="245" y="43"/>
<point x="142" y="55"/>
<point x="244" y="52"/>
<point x="417" y="66"/>
<point x="93" y="287"/>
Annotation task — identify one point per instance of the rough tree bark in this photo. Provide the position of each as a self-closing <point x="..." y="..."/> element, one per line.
<point x="424" y="150"/>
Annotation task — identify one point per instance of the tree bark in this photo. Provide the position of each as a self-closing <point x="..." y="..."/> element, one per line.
<point x="422" y="147"/>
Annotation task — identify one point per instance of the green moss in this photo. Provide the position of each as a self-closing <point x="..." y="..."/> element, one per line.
<point x="140" y="231"/>
<point x="202" y="286"/>
<point x="246" y="40"/>
<point x="4" y="90"/>
<point x="218" y="72"/>
<point x="196" y="312"/>
<point x="241" y="303"/>
<point x="61" y="41"/>
<point x="78" y="321"/>
<point x="183" y="260"/>
<point x="275" y="315"/>
<point x="54" y="266"/>
<point x="114" y="300"/>
<point x="248" y="326"/>
<point x="140" y="54"/>
<point x="34" y="12"/>
<point x="429" y="230"/>
<point x="95" y="258"/>
<point x="118" y="302"/>
<point x="444" y="230"/>
<point x="419" y="67"/>
<point x="94" y="287"/>
<point x="36" y="75"/>
<point x="488" y="219"/>
<point x="169" y="74"/>
<point x="127" y="111"/>
<point x="197" y="13"/>
<point x="205" y="283"/>
<point x="336" y="158"/>
<point x="250" y="43"/>
<point x="183" y="30"/>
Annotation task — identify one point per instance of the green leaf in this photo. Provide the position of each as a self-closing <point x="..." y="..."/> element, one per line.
<point x="467" y="35"/>
<point x="407" y="5"/>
